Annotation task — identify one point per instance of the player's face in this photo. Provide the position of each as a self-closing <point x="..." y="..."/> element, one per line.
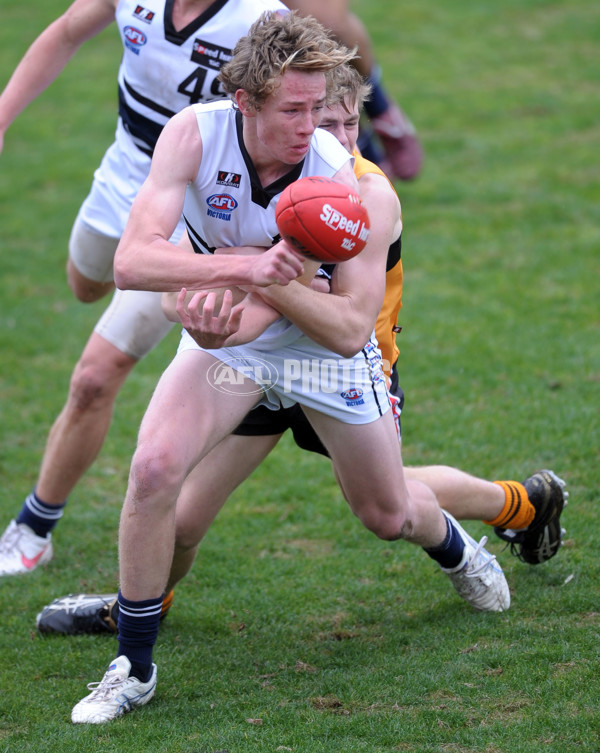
<point x="342" y="123"/>
<point x="287" y="120"/>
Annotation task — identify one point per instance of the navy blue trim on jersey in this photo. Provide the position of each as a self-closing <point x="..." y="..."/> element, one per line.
<point x="140" y="128"/>
<point x="149" y="103"/>
<point x="263" y="195"/>
<point x="179" y="37"/>
<point x="199" y="245"/>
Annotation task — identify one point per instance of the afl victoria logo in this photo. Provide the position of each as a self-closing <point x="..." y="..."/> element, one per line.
<point x="222" y="202"/>
<point x="134" y="39"/>
<point x="353" y="397"/>
<point x="354" y="393"/>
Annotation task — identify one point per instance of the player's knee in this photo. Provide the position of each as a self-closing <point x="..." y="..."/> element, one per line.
<point x="387" y="525"/>
<point x="84" y="289"/>
<point x="86" y="391"/>
<point x="91" y="387"/>
<point x="90" y="292"/>
<point x="156" y="466"/>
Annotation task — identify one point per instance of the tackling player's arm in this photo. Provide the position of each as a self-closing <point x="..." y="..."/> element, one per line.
<point x="223" y="316"/>
<point x="344" y="319"/>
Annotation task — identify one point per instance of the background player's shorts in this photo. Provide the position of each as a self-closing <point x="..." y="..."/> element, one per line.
<point x="105" y="210"/>
<point x="117" y="182"/>
<point x="134" y="322"/>
<point x="92" y="252"/>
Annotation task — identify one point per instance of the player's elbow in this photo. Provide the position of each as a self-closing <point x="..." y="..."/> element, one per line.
<point x="352" y="341"/>
<point x="351" y="351"/>
<point x="124" y="273"/>
<point x="123" y="280"/>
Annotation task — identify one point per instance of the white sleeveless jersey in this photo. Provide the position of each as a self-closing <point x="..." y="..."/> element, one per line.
<point x="227" y="206"/>
<point x="164" y="70"/>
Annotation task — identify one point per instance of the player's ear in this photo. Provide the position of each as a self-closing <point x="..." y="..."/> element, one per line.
<point x="243" y="103"/>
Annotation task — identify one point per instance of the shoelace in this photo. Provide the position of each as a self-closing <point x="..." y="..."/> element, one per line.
<point x="103" y="688"/>
<point x="472" y="569"/>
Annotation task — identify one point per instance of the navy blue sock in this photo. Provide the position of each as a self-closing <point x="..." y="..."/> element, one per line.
<point x="377" y="103"/>
<point x="40" y="516"/>
<point x="138" y="629"/>
<point x="450" y="552"/>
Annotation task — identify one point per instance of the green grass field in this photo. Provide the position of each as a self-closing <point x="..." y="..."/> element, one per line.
<point x="298" y="630"/>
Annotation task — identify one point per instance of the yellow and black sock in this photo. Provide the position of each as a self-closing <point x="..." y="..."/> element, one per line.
<point x="518" y="512"/>
<point x="166" y="604"/>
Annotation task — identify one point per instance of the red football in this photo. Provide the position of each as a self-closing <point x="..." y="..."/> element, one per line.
<point x="323" y="219"/>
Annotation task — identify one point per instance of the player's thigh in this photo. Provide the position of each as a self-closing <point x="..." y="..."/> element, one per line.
<point x="366" y="459"/>
<point x="134" y="322"/>
<point x="187" y="416"/>
<point x="92" y="253"/>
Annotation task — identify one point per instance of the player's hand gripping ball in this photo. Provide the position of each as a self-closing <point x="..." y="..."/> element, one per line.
<point x="323" y="219"/>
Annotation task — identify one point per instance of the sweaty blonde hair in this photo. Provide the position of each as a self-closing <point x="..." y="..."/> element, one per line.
<point x="275" y="44"/>
<point x="346" y="85"/>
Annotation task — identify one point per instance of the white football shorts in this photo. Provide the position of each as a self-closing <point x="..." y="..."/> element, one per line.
<point x="351" y="390"/>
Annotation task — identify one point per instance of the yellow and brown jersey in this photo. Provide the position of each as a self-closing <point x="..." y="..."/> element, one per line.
<point x="386" y="325"/>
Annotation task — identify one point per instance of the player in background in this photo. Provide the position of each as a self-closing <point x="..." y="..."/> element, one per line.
<point x="403" y="154"/>
<point x="277" y="80"/>
<point x="172" y="52"/>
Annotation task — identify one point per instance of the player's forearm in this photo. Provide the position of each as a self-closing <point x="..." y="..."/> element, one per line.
<point x="257" y="316"/>
<point x="40" y="66"/>
<point x="162" y="267"/>
<point x="336" y="322"/>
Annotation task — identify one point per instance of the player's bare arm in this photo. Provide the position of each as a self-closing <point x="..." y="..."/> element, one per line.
<point x="268" y="315"/>
<point x="346" y="175"/>
<point x="50" y="52"/>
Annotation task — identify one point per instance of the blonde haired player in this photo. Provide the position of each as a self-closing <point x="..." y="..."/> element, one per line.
<point x="267" y="136"/>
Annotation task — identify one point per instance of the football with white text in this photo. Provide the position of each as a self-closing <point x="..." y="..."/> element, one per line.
<point x="323" y="219"/>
